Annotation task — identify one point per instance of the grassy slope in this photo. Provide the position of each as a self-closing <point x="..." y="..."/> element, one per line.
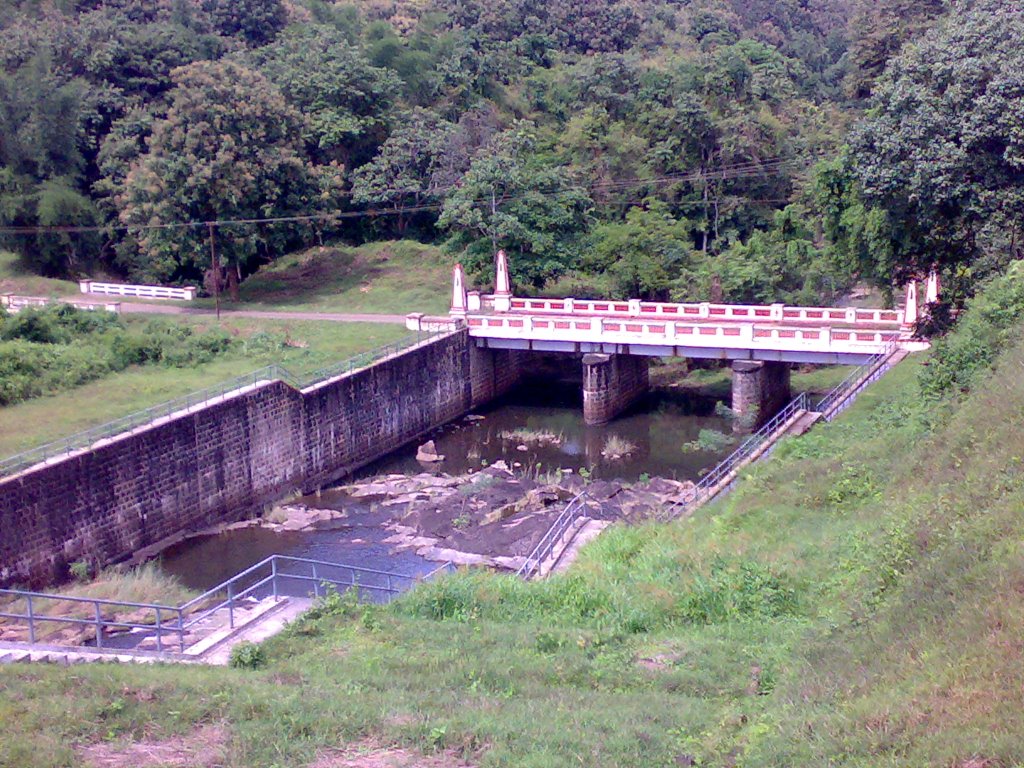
<point x="38" y="421"/>
<point x="394" y="277"/>
<point x="15" y="278"/>
<point x="873" y="618"/>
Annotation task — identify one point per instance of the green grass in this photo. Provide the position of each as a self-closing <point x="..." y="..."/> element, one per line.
<point x="395" y="277"/>
<point x="856" y="601"/>
<point x="314" y="345"/>
<point x="15" y="277"/>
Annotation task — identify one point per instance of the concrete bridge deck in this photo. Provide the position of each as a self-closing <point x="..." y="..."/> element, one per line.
<point x="722" y="340"/>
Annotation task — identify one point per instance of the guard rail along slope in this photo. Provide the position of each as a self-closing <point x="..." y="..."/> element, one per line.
<point x="187" y="293"/>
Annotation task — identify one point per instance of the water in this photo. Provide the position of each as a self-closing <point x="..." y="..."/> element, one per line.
<point x="203" y="562"/>
<point x="658" y="427"/>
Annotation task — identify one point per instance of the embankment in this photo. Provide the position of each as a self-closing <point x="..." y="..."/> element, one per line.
<point x="225" y="459"/>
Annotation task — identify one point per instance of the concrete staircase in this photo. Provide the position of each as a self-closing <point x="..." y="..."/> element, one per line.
<point x="210" y="642"/>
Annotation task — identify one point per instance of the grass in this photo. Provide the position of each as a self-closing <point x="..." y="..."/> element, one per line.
<point x="15" y="277"/>
<point x="856" y="601"/>
<point x="393" y="277"/>
<point x="616" y="447"/>
<point x="309" y="346"/>
<point x="531" y="436"/>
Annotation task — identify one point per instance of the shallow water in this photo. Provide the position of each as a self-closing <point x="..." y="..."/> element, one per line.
<point x="658" y="427"/>
<point x="204" y="562"/>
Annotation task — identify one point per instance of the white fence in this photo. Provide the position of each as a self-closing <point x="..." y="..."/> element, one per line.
<point x="187" y="293"/>
<point x="13" y="303"/>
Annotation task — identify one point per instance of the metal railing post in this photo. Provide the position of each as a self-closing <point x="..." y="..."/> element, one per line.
<point x="31" y="621"/>
<point x="99" y="626"/>
<point x="273" y="580"/>
<point x="159" y="633"/>
<point x="181" y="631"/>
<point x="231" y="605"/>
<point x="316" y="583"/>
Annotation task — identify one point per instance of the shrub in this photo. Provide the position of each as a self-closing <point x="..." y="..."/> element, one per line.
<point x="247" y="655"/>
<point x="710" y="440"/>
<point x="746" y="590"/>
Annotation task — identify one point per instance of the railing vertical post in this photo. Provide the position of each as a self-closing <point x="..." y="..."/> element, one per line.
<point x="99" y="626"/>
<point x="181" y="631"/>
<point x="316" y="584"/>
<point x="159" y="633"/>
<point x="231" y="605"/>
<point x="273" y="580"/>
<point x="31" y="621"/>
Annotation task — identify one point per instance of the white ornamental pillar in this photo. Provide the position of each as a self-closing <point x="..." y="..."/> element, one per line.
<point x="459" y="301"/>
<point x="502" y="284"/>
<point x="910" y="310"/>
<point x="932" y="292"/>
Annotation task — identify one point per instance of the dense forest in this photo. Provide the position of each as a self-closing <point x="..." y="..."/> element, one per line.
<point x="754" y="150"/>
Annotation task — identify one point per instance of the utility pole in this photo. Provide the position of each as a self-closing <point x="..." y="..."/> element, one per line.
<point x="215" y="269"/>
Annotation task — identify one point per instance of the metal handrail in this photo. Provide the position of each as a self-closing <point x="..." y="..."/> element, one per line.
<point x="566" y="518"/>
<point x="269" y="373"/>
<point x="176" y="623"/>
<point x="860" y="376"/>
<point x="864" y="374"/>
<point x="706" y="487"/>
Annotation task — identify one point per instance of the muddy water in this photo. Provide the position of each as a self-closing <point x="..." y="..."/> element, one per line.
<point x="658" y="427"/>
<point x="204" y="562"/>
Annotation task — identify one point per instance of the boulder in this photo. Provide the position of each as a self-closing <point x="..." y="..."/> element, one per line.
<point x="428" y="453"/>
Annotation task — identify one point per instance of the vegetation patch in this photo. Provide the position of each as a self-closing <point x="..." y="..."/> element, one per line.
<point x="531" y="436"/>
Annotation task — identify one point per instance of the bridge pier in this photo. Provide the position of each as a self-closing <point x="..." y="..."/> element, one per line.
<point x="612" y="383"/>
<point x="492" y="372"/>
<point x="759" y="391"/>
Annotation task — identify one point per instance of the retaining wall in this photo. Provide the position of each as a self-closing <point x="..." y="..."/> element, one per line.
<point x="223" y="460"/>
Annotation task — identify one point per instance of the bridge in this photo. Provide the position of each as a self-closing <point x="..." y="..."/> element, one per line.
<point x="617" y="338"/>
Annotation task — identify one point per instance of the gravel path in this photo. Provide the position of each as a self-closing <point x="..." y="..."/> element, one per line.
<point x="335" y="317"/>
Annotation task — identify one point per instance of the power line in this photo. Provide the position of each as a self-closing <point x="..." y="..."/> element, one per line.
<point x="724" y="173"/>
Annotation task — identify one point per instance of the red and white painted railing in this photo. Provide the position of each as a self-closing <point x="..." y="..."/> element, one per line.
<point x="772" y="313"/>
<point x="726" y="335"/>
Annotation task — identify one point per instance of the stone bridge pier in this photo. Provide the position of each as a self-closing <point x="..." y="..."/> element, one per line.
<point x="759" y="391"/>
<point x="611" y="384"/>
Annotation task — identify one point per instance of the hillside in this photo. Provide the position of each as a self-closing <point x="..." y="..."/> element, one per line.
<point x="856" y="601"/>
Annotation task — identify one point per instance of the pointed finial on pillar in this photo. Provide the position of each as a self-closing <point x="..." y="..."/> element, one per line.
<point x="932" y="292"/>
<point x="502" y="284"/>
<point x="458" y="291"/>
<point x="910" y="310"/>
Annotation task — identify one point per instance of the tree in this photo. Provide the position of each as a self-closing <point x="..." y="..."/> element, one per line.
<point x="347" y="100"/>
<point x="404" y="174"/>
<point x="511" y="199"/>
<point x="644" y="255"/>
<point x="255" y="21"/>
<point x="942" y="152"/>
<point x="230" y="147"/>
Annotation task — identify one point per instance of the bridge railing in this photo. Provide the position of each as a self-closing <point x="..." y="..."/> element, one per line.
<point x="218" y="392"/>
<point x="188" y="293"/>
<point x="575" y="509"/>
<point x="704" y="311"/>
<point x="734" y="335"/>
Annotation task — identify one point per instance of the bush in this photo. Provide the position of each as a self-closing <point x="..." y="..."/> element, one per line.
<point x="746" y="590"/>
<point x="982" y="333"/>
<point x="247" y="655"/>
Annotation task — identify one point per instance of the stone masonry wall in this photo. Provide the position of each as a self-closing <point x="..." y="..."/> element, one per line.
<point x="223" y="461"/>
<point x="759" y="391"/>
<point x="611" y="384"/>
<point x="494" y="372"/>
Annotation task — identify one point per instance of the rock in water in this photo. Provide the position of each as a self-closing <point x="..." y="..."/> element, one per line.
<point x="428" y="452"/>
